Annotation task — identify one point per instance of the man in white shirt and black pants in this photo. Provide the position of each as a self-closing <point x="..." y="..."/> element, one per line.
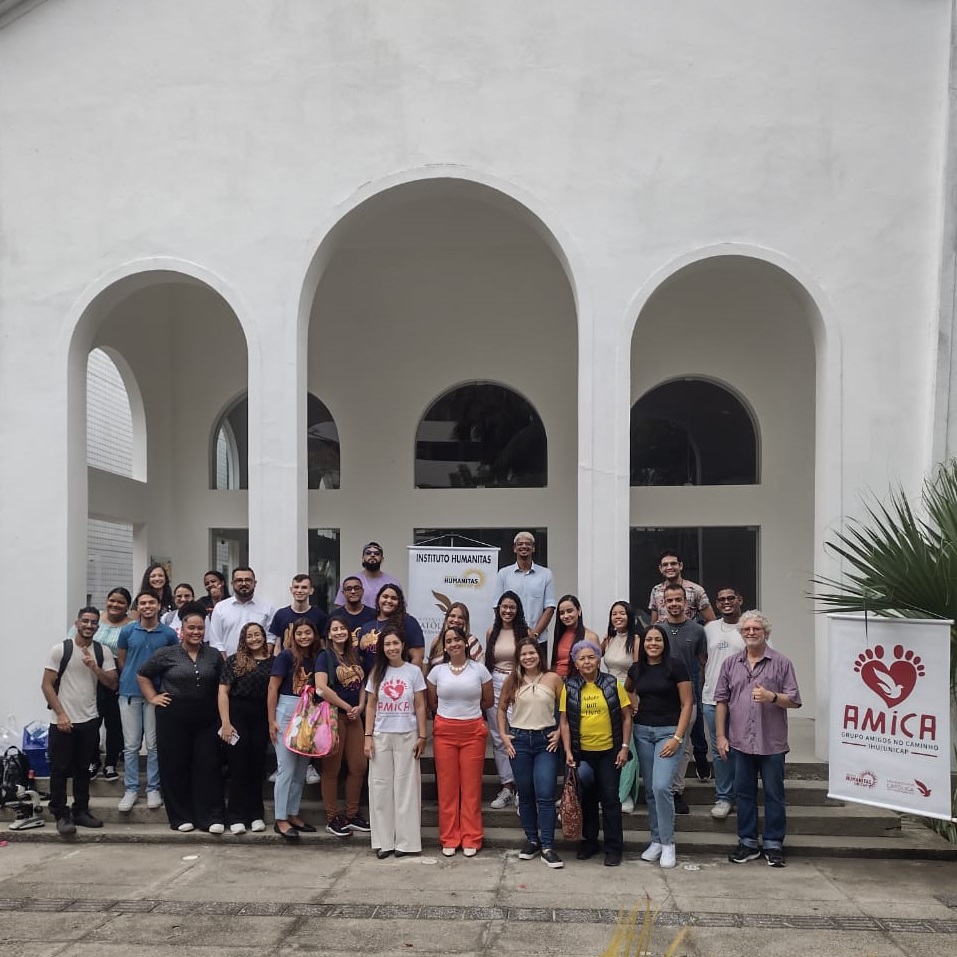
<point x="70" y="692"/>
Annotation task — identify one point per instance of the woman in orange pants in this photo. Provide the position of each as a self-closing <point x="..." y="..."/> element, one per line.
<point x="459" y="692"/>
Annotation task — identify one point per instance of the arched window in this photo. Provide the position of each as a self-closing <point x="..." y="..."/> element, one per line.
<point x="231" y="449"/>
<point x="481" y="435"/>
<point x="109" y="421"/>
<point x="322" y="449"/>
<point x="692" y="432"/>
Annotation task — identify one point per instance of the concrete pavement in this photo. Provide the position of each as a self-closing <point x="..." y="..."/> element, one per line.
<point x="199" y="899"/>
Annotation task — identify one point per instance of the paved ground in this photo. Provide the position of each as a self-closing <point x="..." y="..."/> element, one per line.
<point x="103" y="900"/>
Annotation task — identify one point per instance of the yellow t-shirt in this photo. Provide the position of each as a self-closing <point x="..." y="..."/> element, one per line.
<point x="594" y="733"/>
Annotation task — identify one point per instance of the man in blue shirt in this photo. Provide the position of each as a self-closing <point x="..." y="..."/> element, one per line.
<point x="135" y="646"/>
<point x="532" y="583"/>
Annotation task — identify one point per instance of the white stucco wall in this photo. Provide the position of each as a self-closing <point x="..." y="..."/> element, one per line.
<point x="230" y="137"/>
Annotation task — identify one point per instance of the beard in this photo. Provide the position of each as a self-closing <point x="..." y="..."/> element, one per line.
<point x="371" y="564"/>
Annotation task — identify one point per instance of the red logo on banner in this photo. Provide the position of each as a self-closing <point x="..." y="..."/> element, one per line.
<point x="924" y="790"/>
<point x="893" y="683"/>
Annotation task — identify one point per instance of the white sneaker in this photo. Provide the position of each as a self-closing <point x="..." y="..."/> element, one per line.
<point x="470" y="851"/>
<point x="721" y="809"/>
<point x="237" y="828"/>
<point x="218" y="828"/>
<point x="312" y="775"/>
<point x="185" y="828"/>
<point x="127" y="801"/>
<point x="652" y="852"/>
<point x="503" y="799"/>
<point x="258" y="826"/>
<point x="272" y="778"/>
<point x="667" y="855"/>
<point x="154" y="800"/>
<point x="628" y="806"/>
<point x="448" y="852"/>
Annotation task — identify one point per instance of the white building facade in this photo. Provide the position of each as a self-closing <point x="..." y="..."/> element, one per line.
<point x="374" y="204"/>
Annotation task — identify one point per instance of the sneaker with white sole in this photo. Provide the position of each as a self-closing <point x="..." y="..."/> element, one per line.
<point x="258" y="826"/>
<point x="551" y="859"/>
<point x="667" y="856"/>
<point x="185" y="827"/>
<point x="503" y="799"/>
<point x="628" y="806"/>
<point x="127" y="801"/>
<point x="312" y="775"/>
<point x="154" y="800"/>
<point x="109" y="773"/>
<point x="721" y="809"/>
<point x="217" y="828"/>
<point x="238" y="828"/>
<point x="652" y="852"/>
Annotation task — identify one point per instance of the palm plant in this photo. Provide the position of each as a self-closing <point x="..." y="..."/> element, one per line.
<point x="899" y="562"/>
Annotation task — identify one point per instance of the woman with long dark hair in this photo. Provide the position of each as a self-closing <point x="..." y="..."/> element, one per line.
<point x="459" y="691"/>
<point x="156" y="579"/>
<point x="531" y="736"/>
<point x="340" y="679"/>
<point x="619" y="651"/>
<point x="390" y="608"/>
<point x="292" y="670"/>
<point x="395" y="738"/>
<point x="243" y="687"/>
<point x="662" y="687"/>
<point x="596" y="727"/>
<point x="186" y="721"/>
<point x="508" y="629"/>
<point x="569" y="630"/>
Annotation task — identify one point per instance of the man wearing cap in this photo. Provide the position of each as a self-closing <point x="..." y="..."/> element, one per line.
<point x="372" y="576"/>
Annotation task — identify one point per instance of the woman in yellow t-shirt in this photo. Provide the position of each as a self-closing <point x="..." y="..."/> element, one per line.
<point x="596" y="733"/>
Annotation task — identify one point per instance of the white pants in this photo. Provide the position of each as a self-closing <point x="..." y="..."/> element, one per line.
<point x="502" y="763"/>
<point x="395" y="793"/>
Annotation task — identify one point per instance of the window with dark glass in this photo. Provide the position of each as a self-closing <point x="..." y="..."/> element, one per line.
<point x="481" y="435"/>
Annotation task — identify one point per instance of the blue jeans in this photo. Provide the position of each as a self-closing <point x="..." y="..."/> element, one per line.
<point x="723" y="767"/>
<point x="658" y="773"/>
<point x="603" y="790"/>
<point x="746" y="770"/>
<point x="290" y="767"/>
<point x="138" y="718"/>
<point x="536" y="771"/>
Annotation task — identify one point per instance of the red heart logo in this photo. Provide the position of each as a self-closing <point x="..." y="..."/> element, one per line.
<point x="892" y="684"/>
<point x="394" y="689"/>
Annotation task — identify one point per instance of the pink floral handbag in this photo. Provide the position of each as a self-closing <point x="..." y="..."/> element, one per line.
<point x="313" y="729"/>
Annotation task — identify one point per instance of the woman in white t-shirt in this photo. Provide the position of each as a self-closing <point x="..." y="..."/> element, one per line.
<point x="394" y="741"/>
<point x="459" y="692"/>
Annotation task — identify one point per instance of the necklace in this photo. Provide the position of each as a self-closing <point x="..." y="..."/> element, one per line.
<point x="458" y="669"/>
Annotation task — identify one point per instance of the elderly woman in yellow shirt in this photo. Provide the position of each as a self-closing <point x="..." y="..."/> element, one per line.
<point x="596" y="733"/>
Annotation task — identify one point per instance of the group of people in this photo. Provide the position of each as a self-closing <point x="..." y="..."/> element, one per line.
<point x="208" y="685"/>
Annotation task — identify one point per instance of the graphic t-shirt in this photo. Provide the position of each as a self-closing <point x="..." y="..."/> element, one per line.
<point x="594" y="732"/>
<point x="369" y="637"/>
<point x="395" y="702"/>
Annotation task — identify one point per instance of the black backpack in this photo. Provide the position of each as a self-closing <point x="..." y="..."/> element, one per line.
<point x="68" y="654"/>
<point x="14" y="773"/>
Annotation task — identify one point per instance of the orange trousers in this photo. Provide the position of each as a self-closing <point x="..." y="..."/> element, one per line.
<point x="459" y="749"/>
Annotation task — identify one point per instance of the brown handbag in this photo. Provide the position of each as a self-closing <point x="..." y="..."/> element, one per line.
<point x="571" y="808"/>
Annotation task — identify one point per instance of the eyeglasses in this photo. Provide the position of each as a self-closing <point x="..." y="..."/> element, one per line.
<point x="723" y="599"/>
<point x="352" y="588"/>
<point x="244" y="581"/>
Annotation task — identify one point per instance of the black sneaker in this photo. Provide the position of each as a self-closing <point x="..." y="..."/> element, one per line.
<point x="551" y="859"/>
<point x="65" y="825"/>
<point x="530" y="851"/>
<point x="109" y="773"/>
<point x="586" y="851"/>
<point x="93" y="771"/>
<point x="775" y="857"/>
<point x="339" y="826"/>
<point x="742" y="854"/>
<point x="85" y="819"/>
<point x="358" y="823"/>
<point x="702" y="769"/>
<point x="681" y="805"/>
<point x="612" y="859"/>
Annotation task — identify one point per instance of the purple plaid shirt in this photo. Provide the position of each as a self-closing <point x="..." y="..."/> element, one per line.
<point x="757" y="727"/>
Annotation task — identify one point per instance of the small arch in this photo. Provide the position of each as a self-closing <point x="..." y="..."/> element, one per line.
<point x="229" y="449"/>
<point x="481" y="435"/>
<point x="693" y="431"/>
<point x="115" y="417"/>
<point x="323" y="458"/>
